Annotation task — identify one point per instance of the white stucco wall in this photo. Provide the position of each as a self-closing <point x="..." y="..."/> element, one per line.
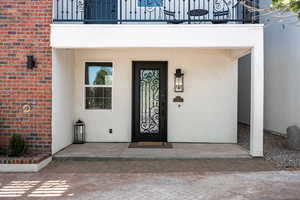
<point x="209" y="111"/>
<point x="282" y="76"/>
<point x="62" y="98"/>
<point x="239" y="39"/>
<point x="150" y="35"/>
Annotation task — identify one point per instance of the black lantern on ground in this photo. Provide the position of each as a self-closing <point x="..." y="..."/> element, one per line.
<point x="178" y="84"/>
<point x="79" y="132"/>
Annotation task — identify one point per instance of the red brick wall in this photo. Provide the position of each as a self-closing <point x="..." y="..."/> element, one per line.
<point x="24" y="30"/>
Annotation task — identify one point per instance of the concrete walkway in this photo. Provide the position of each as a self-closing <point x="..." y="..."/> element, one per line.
<point x="100" y="151"/>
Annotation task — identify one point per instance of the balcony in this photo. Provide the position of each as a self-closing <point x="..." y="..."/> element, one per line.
<point x="153" y="12"/>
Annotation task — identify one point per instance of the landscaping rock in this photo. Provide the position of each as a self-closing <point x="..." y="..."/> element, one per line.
<point x="293" y="137"/>
<point x="275" y="148"/>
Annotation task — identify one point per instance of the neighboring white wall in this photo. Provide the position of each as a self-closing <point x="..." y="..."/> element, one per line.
<point x="62" y="98"/>
<point x="244" y="89"/>
<point x="282" y="75"/>
<point x="282" y="72"/>
<point x="209" y="111"/>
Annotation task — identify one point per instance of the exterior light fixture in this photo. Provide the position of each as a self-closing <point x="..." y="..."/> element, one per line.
<point x="30" y="62"/>
<point x="178" y="81"/>
<point x="79" y="132"/>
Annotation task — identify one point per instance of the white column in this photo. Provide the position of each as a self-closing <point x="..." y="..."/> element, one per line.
<point x="257" y="100"/>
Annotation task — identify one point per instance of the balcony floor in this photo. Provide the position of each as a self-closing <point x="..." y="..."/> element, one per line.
<point x="103" y="151"/>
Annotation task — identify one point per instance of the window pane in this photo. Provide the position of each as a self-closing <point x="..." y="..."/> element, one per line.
<point x="107" y="103"/>
<point x="98" y="97"/>
<point x="150" y="3"/>
<point x="98" y="74"/>
<point x="107" y="92"/>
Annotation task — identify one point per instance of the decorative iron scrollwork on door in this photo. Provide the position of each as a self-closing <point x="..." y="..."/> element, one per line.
<point x="149" y="101"/>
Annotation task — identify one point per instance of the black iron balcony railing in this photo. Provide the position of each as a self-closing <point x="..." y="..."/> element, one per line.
<point x="153" y="11"/>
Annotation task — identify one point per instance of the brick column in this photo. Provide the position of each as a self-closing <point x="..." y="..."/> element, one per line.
<point x="25" y="30"/>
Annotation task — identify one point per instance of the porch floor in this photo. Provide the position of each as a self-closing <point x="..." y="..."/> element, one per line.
<point x="98" y="151"/>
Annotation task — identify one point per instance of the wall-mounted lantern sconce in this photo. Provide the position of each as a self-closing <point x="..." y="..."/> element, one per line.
<point x="30" y="62"/>
<point x="178" y="84"/>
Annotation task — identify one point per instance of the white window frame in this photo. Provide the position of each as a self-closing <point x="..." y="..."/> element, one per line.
<point x="86" y="64"/>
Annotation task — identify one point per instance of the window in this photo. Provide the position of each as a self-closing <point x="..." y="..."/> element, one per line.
<point x="98" y="85"/>
<point x="150" y="3"/>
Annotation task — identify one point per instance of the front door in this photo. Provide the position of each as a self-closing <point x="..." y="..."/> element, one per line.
<point x="149" y="108"/>
<point x="101" y="11"/>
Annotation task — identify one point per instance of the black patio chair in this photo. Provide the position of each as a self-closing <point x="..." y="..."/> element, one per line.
<point x="223" y="14"/>
<point x="236" y="4"/>
<point x="171" y="19"/>
<point x="220" y="14"/>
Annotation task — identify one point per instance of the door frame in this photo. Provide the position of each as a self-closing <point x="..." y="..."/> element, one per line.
<point x="162" y="112"/>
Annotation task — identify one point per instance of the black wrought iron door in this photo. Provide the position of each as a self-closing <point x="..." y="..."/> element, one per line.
<point x="101" y="11"/>
<point x="149" y="116"/>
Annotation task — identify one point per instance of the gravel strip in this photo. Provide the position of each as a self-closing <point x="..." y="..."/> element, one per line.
<point x="275" y="148"/>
